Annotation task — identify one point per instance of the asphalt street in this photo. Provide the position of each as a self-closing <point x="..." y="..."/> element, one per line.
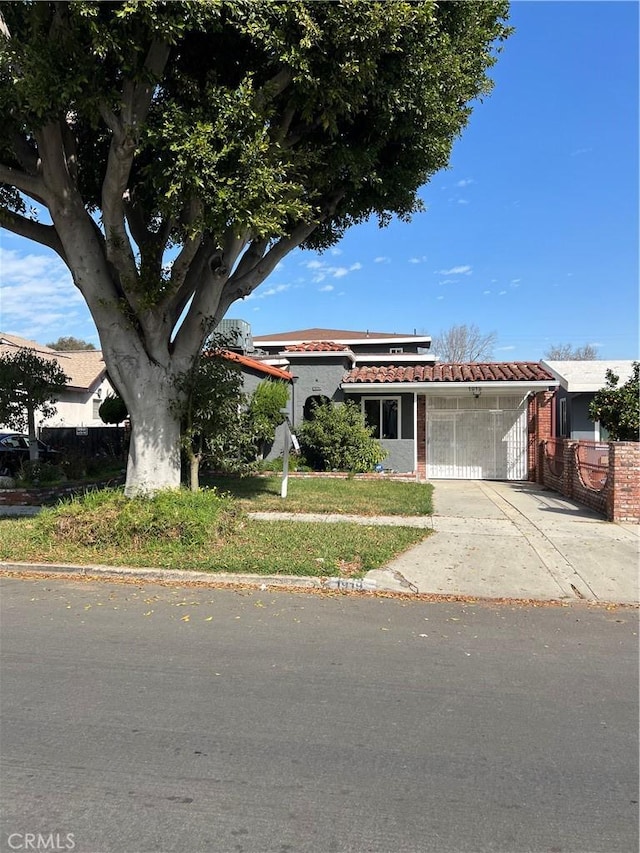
<point x="143" y="718"/>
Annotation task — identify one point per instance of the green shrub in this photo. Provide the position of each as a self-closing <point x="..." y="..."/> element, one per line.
<point x="337" y="439"/>
<point x="39" y="473"/>
<point x="107" y="517"/>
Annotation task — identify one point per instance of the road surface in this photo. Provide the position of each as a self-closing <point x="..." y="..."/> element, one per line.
<point x="147" y="718"/>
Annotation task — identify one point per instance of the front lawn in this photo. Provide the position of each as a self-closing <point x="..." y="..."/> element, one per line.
<point x="344" y="495"/>
<point x="205" y="531"/>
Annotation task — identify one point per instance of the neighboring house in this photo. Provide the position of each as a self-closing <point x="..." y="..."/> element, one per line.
<point x="462" y="421"/>
<point x="87" y="384"/>
<point x="579" y="381"/>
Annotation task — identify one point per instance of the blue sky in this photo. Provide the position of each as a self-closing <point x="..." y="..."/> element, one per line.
<point x="531" y="233"/>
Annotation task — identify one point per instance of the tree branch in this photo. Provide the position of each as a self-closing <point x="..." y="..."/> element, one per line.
<point x="25" y="153"/>
<point x="30" y="185"/>
<point x="46" y="235"/>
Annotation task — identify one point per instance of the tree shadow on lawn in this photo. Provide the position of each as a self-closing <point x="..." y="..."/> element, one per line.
<point x="244" y="487"/>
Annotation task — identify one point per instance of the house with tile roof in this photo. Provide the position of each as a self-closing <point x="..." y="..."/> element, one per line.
<point x="87" y="382"/>
<point x="466" y="421"/>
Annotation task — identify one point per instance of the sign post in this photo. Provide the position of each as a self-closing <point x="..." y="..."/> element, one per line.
<point x="289" y="439"/>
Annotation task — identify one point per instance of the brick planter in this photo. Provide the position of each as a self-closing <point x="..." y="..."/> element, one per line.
<point x="48" y="495"/>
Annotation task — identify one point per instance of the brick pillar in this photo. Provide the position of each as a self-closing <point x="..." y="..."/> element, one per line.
<point x="569" y="466"/>
<point x="623" y="483"/>
<point x="421" y="437"/>
<point x="539" y="427"/>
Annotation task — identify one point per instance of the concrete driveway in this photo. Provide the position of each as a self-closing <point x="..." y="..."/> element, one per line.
<point x="517" y="540"/>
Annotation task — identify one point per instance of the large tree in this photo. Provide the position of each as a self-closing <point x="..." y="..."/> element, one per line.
<point x="70" y="344"/>
<point x="464" y="343"/>
<point x="567" y="352"/>
<point x="180" y="150"/>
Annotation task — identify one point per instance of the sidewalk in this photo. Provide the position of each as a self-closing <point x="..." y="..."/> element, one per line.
<point x="516" y="540"/>
<point x="490" y="540"/>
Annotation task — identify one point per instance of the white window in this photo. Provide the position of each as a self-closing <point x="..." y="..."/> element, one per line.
<point x="383" y="414"/>
<point x="96" y="408"/>
<point x="396" y="349"/>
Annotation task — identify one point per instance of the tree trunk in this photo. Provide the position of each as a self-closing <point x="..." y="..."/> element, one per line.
<point x="33" y="441"/>
<point x="194" y="472"/>
<point x="154" y="448"/>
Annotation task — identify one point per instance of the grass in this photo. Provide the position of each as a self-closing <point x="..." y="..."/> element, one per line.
<point x="205" y="531"/>
<point x="329" y="495"/>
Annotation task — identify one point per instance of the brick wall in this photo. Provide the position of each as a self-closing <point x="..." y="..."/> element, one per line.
<point x="47" y="495"/>
<point x="539" y="426"/>
<point x="623" y="496"/>
<point x="617" y="500"/>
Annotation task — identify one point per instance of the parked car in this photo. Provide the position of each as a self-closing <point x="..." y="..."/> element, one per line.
<point x="14" y="450"/>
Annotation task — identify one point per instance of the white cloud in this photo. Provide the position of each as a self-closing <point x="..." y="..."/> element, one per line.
<point x="447" y="281"/>
<point x="579" y="151"/>
<point x="465" y="182"/>
<point x="39" y="299"/>
<point x="502" y="293"/>
<point x="322" y="270"/>
<point x="463" y="269"/>
<point x="326" y="288"/>
<point x="381" y="259"/>
<point x="419" y="260"/>
<point x="439" y="297"/>
<point x="336" y="251"/>
<point x="462" y="201"/>
<point x="504" y="349"/>
<point x="515" y="281"/>
<point x="274" y="290"/>
<point x="486" y="292"/>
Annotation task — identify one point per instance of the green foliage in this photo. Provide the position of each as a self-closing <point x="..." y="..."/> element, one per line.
<point x="108" y="518"/>
<point x="617" y="407"/>
<point x="265" y="115"/>
<point x="70" y="344"/>
<point x="263" y="414"/>
<point x="221" y="135"/>
<point x="212" y="422"/>
<point x="337" y="439"/>
<point x="29" y="383"/>
<point x="39" y="473"/>
<point x="113" y="410"/>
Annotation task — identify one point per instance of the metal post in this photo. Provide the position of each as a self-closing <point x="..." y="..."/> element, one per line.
<point x="285" y="459"/>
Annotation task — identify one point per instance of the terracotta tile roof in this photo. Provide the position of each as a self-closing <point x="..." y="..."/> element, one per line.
<point x="318" y="346"/>
<point x="512" y="371"/>
<point x="327" y="335"/>
<point x="254" y="364"/>
<point x="83" y="367"/>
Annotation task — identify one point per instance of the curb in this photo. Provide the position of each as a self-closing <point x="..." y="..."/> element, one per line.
<point x="284" y="583"/>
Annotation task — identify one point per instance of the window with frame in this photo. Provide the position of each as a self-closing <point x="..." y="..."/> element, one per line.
<point x="383" y="414"/>
<point x="97" y="402"/>
<point x="396" y="349"/>
<point x="563" y="418"/>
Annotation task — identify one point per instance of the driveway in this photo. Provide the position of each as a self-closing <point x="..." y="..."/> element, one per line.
<point x="517" y="540"/>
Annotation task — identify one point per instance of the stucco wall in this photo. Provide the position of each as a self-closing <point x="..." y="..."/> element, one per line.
<point x="315" y="378"/>
<point x="75" y="408"/>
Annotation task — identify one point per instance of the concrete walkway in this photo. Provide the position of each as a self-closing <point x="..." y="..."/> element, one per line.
<point x="516" y="540"/>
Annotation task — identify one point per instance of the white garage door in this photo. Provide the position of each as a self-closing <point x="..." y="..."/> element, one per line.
<point x="483" y="439"/>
